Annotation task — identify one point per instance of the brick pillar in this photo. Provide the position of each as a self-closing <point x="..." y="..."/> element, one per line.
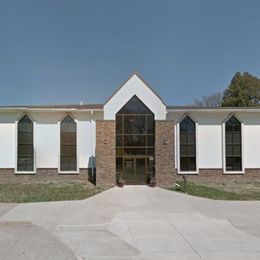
<point x="105" y="153"/>
<point x="164" y="153"/>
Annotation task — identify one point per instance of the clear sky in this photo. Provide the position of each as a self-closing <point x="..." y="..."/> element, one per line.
<point x="67" y="51"/>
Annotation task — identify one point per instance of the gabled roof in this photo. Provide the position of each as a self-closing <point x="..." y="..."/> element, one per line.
<point x="135" y="86"/>
<point x="137" y="75"/>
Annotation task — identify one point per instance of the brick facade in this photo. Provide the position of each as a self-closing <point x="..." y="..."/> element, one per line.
<point x="43" y="175"/>
<point x="105" y="153"/>
<point x="165" y="153"/>
<point x="165" y="165"/>
<point x="216" y="175"/>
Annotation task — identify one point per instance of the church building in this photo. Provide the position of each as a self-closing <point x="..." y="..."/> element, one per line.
<point x="133" y="137"/>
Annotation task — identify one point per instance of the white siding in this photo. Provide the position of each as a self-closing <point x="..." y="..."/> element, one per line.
<point x="209" y="141"/>
<point x="85" y="140"/>
<point x="47" y="138"/>
<point x="209" y="137"/>
<point x="251" y="141"/>
<point x="7" y="139"/>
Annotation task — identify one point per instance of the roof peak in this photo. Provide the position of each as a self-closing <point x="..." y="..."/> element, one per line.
<point x="135" y="74"/>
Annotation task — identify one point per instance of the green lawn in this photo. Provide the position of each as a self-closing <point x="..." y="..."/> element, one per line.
<point x="207" y="191"/>
<point x="45" y="192"/>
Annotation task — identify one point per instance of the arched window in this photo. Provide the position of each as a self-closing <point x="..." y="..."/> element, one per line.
<point x="68" y="144"/>
<point x="233" y="144"/>
<point x="25" y="151"/>
<point x="187" y="145"/>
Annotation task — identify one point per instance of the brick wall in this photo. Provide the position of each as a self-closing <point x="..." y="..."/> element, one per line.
<point x="43" y="175"/>
<point x="105" y="153"/>
<point x="217" y="176"/>
<point x="164" y="153"/>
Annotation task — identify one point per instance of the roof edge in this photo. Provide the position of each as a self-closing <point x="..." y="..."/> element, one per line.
<point x="212" y="109"/>
<point x="84" y="107"/>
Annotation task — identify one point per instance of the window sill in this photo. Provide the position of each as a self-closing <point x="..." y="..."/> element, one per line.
<point x="25" y="173"/>
<point x="187" y="173"/>
<point x="234" y="172"/>
<point x="68" y="173"/>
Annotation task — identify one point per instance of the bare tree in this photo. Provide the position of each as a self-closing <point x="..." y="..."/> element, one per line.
<point x="213" y="100"/>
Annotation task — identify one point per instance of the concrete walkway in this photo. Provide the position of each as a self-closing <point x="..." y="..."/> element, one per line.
<point x="131" y="223"/>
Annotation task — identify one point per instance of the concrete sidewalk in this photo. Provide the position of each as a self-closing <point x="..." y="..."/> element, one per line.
<point x="134" y="222"/>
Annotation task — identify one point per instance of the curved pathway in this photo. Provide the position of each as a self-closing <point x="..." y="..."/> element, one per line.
<point x="134" y="222"/>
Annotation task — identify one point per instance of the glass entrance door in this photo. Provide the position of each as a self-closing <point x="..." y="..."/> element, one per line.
<point x="134" y="171"/>
<point x="140" y="171"/>
<point x="129" y="170"/>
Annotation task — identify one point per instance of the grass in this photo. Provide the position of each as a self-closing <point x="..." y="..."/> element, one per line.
<point x="45" y="192"/>
<point x="202" y="190"/>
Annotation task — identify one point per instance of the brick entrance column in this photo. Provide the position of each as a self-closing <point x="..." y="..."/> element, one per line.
<point x="164" y="153"/>
<point x="105" y="153"/>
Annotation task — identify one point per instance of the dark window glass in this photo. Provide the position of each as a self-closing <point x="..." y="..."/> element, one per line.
<point x="134" y="124"/>
<point x="25" y="156"/>
<point x="233" y="145"/>
<point x="119" y="124"/>
<point x="134" y="106"/>
<point x="68" y="145"/>
<point x="119" y="140"/>
<point x="135" y="151"/>
<point x="150" y="124"/>
<point x="191" y="138"/>
<point x="119" y="164"/>
<point x="229" y="150"/>
<point x="228" y="138"/>
<point x="150" y="140"/>
<point x="119" y="151"/>
<point x="187" y="145"/>
<point x="135" y="138"/>
<point x="237" y="137"/>
<point x="150" y="152"/>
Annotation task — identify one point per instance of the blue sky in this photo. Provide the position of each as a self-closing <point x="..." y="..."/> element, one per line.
<point x="64" y="51"/>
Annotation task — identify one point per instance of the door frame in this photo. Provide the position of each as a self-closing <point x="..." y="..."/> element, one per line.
<point x="134" y="158"/>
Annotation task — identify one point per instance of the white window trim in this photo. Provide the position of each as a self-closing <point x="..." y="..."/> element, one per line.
<point x="178" y="146"/>
<point x="77" y="142"/>
<point x="225" y="171"/>
<point x="16" y="171"/>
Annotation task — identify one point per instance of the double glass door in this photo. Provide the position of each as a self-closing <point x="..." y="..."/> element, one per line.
<point x="134" y="170"/>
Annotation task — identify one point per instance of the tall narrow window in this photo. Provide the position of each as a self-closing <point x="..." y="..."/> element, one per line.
<point x="187" y="145"/>
<point x="68" y="145"/>
<point x="233" y="145"/>
<point x="135" y="142"/>
<point x="25" y="151"/>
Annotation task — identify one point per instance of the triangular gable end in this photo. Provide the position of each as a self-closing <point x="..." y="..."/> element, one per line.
<point x="135" y="86"/>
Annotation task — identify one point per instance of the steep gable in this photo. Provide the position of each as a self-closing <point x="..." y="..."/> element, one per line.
<point x="135" y="86"/>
